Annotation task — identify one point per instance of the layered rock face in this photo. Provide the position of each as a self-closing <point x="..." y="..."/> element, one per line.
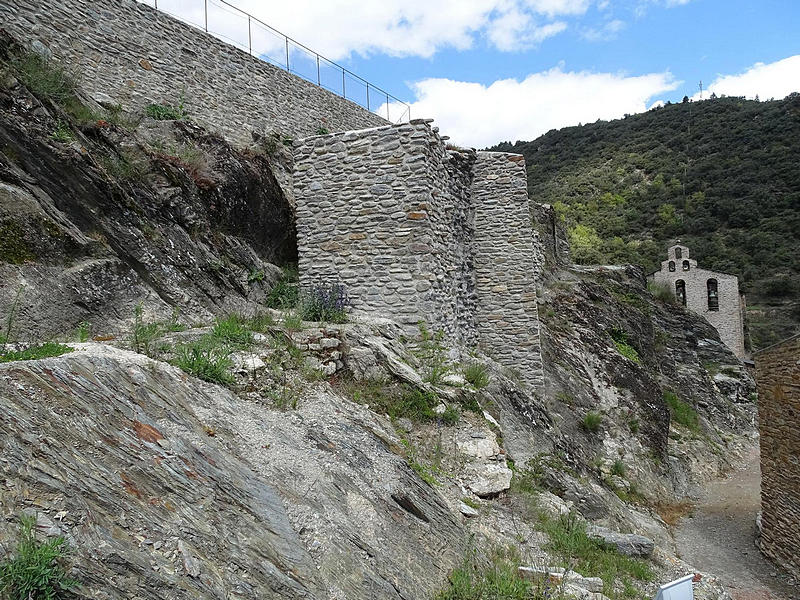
<point x="612" y="349"/>
<point x="157" y="212"/>
<point x="167" y="486"/>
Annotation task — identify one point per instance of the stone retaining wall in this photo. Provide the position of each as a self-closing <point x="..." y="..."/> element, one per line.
<point x="134" y="55"/>
<point x="778" y="377"/>
<point x="418" y="231"/>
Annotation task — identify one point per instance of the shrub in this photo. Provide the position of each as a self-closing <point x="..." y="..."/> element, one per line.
<point x="618" y="468"/>
<point x="166" y="112"/>
<point x="84" y="328"/>
<point x="682" y="412"/>
<point x="325" y="303"/>
<point x="620" y="339"/>
<point x="284" y="294"/>
<point x="35" y="572"/>
<point x="46" y="350"/>
<point x="205" y="361"/>
<point x="477" y="374"/>
<point x="432" y="354"/>
<point x="45" y="78"/>
<point x="62" y="133"/>
<point x="528" y="481"/>
<point x="592" y="421"/>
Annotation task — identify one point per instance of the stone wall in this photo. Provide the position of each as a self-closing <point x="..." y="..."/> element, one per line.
<point x="132" y="55"/>
<point x="778" y="377"/>
<point x="417" y="231"/>
<point x="729" y="319"/>
<point x="505" y="264"/>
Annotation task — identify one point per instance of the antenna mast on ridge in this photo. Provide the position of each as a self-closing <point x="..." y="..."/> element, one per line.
<point x="701" y="89"/>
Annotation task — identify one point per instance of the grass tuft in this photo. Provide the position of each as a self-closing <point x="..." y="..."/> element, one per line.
<point x="477" y="374"/>
<point x="46" y="350"/>
<point x="233" y="330"/>
<point x="205" y="361"/>
<point x="285" y="294"/>
<point x="45" y="78"/>
<point x="592" y="421"/>
<point x="35" y="570"/>
<point x="682" y="412"/>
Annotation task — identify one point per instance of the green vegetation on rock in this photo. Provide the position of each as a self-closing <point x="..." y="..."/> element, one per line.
<point x="45" y="350"/>
<point x="682" y="413"/>
<point x="591" y="557"/>
<point x="36" y="570"/>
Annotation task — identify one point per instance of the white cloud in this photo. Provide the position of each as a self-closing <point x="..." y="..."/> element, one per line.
<point x="337" y="28"/>
<point x="605" y="33"/>
<point x="477" y="115"/>
<point x="772" y="80"/>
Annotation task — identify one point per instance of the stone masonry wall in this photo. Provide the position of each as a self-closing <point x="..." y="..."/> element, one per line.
<point x="417" y="231"/>
<point x="382" y="212"/>
<point x="778" y="377"/>
<point x="133" y="55"/>
<point x="505" y="264"/>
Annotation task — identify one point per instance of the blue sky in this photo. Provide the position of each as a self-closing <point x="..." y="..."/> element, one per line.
<point x="493" y="70"/>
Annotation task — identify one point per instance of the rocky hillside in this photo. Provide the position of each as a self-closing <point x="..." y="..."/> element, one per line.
<point x="207" y="446"/>
<point x="720" y="175"/>
<point x="101" y="210"/>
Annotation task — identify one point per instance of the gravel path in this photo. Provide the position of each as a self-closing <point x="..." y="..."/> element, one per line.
<point x="720" y="537"/>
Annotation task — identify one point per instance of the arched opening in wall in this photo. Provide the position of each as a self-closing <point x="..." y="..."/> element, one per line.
<point x="686" y="265"/>
<point x="680" y="291"/>
<point x="713" y="294"/>
<point x="672" y="266"/>
<point x="678" y="253"/>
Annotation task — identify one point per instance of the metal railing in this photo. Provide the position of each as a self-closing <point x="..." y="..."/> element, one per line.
<point x="233" y="26"/>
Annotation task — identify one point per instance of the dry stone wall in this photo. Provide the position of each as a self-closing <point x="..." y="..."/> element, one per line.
<point x="417" y="231"/>
<point x="130" y="54"/>
<point x="778" y="377"/>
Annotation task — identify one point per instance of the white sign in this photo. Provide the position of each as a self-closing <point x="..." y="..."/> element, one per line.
<point x="680" y="589"/>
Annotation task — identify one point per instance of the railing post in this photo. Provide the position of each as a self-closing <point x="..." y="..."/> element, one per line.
<point x="155" y="2"/>
<point x="249" y="36"/>
<point x="368" y="95"/>
<point x="344" y="90"/>
<point x="287" y="52"/>
<point x="387" y="107"/>
<point x="319" y="80"/>
<point x="205" y="4"/>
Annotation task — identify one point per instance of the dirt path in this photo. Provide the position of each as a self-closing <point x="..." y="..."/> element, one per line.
<point x="719" y="538"/>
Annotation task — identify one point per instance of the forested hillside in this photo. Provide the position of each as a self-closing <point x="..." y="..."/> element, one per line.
<point x="721" y="175"/>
